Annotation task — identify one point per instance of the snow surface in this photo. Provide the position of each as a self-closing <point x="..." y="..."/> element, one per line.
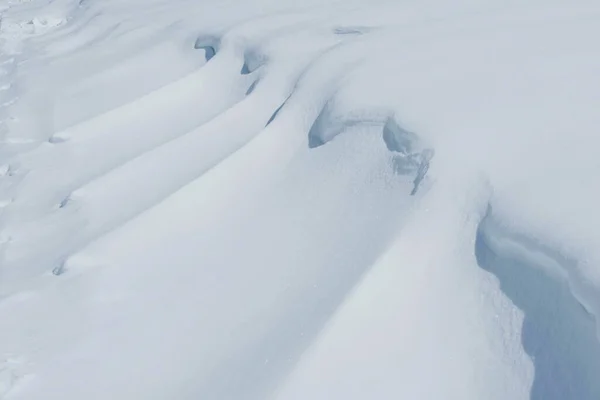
<point x="268" y="199"/>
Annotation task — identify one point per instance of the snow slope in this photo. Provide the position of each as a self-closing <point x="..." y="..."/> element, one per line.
<point x="284" y="200"/>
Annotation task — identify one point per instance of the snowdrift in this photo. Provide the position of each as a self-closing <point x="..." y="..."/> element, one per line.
<point x="275" y="200"/>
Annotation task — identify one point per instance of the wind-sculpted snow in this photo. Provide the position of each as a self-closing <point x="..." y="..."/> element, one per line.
<point x="317" y="200"/>
<point x="559" y="327"/>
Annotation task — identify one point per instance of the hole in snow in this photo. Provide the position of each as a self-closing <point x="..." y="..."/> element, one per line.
<point x="209" y="52"/>
<point x="252" y="61"/>
<point x="245" y="69"/>
<point x="209" y="44"/>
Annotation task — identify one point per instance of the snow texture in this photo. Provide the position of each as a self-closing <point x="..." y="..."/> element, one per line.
<point x="385" y="199"/>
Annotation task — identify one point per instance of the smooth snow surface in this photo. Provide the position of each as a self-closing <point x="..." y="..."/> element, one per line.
<point x="278" y="200"/>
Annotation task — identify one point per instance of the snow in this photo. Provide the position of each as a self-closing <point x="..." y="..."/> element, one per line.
<point x="318" y="200"/>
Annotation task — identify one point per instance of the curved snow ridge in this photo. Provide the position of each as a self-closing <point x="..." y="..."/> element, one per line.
<point x="233" y="46"/>
<point x="333" y="120"/>
<point x="90" y="211"/>
<point x="214" y="77"/>
<point x="140" y="70"/>
<point x="342" y="112"/>
<point x="94" y="66"/>
<point x="553" y="262"/>
<point x="199" y="150"/>
<point x="42" y="179"/>
<point x="111" y="200"/>
<point x="560" y="325"/>
<point x="316" y="81"/>
<point x="384" y="339"/>
<point x="65" y="90"/>
<point x="412" y="153"/>
<point x="129" y="124"/>
<point x="330" y="245"/>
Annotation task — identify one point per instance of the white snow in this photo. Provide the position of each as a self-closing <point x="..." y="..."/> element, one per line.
<point x="299" y="200"/>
